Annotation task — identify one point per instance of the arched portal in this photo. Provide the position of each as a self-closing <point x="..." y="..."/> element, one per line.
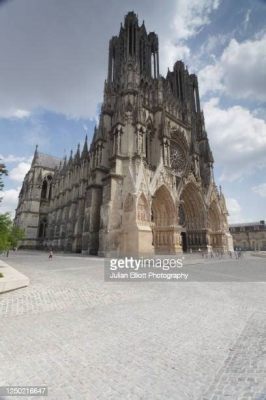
<point x="143" y="216"/>
<point x="214" y="225"/>
<point x="192" y="218"/>
<point x="164" y="221"/>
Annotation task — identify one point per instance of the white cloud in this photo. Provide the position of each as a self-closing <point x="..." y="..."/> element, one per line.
<point x="260" y="189"/>
<point x="238" y="139"/>
<point x="188" y="19"/>
<point x="172" y="52"/>
<point x="21" y="114"/>
<point x="244" y="66"/>
<point x="14" y="113"/>
<point x="240" y="71"/>
<point x="11" y="158"/>
<point x="247" y="18"/>
<point x="18" y="173"/>
<point x="235" y="210"/>
<point x="213" y="41"/>
<point x="192" y="15"/>
<point x="210" y="79"/>
<point x="260" y="113"/>
<point x="10" y="201"/>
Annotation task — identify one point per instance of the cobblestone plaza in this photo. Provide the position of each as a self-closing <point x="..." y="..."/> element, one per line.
<point x="87" y="339"/>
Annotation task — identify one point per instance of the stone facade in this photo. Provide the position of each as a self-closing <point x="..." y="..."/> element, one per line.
<point x="249" y="236"/>
<point x="145" y="185"/>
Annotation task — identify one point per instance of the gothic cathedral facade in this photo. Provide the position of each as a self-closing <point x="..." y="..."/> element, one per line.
<point x="145" y="184"/>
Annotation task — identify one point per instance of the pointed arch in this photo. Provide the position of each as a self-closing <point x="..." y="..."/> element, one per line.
<point x="46" y="191"/>
<point x="42" y="228"/>
<point x="143" y="213"/>
<point x="164" y="222"/>
<point x="215" y="225"/>
<point x="195" y="217"/>
<point x="163" y="207"/>
<point x="214" y="220"/>
<point x="193" y="207"/>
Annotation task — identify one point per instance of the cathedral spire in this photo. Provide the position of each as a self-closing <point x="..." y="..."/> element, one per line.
<point x="133" y="45"/>
<point x="64" y="166"/>
<point x="77" y="155"/>
<point x="70" y="161"/>
<point x="36" y="156"/>
<point x="85" y="151"/>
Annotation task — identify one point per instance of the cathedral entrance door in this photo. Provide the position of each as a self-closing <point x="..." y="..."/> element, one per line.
<point x="194" y="218"/>
<point x="165" y="237"/>
<point x="184" y="241"/>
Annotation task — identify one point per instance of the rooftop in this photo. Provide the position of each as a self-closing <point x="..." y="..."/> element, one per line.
<point x="256" y="223"/>
<point x="46" y="160"/>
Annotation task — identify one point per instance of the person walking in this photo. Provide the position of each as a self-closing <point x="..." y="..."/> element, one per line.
<point x="51" y="255"/>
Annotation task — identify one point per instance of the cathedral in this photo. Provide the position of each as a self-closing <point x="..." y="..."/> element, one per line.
<point x="145" y="183"/>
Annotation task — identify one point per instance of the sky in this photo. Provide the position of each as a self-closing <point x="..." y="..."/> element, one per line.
<point x="53" y="65"/>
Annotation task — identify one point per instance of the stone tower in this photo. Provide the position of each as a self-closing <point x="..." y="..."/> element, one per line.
<point x="34" y="198"/>
<point x="145" y="185"/>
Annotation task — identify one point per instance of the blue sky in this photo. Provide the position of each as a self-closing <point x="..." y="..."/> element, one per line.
<point x="54" y="62"/>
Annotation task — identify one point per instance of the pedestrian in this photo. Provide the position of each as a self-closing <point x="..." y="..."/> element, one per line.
<point x="51" y="255"/>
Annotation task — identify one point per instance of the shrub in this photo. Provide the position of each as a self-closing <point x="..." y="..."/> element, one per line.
<point x="10" y="234"/>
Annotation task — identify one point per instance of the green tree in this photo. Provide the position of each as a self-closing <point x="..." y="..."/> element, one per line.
<point x="10" y="235"/>
<point x="16" y="235"/>
<point x="5" y="228"/>
<point x="3" y="171"/>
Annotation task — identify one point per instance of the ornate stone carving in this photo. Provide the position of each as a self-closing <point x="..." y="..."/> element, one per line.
<point x="178" y="159"/>
<point x="142" y="210"/>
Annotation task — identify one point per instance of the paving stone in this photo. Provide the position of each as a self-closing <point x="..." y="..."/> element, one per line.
<point x="92" y="340"/>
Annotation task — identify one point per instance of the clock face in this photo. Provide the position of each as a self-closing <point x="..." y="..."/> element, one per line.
<point x="177" y="158"/>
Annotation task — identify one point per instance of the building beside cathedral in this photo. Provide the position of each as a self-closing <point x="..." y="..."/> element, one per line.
<point x="145" y="184"/>
<point x="249" y="235"/>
